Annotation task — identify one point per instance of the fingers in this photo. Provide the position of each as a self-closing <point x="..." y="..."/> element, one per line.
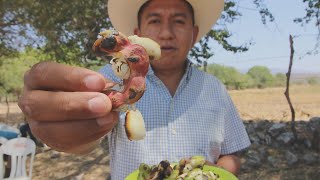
<point x="55" y="76"/>
<point x="68" y="135"/>
<point x="59" y="104"/>
<point x="62" y="106"/>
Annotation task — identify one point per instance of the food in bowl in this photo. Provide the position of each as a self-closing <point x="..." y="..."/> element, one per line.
<point x="186" y="169"/>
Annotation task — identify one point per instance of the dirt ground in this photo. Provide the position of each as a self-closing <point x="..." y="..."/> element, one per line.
<point x="252" y="104"/>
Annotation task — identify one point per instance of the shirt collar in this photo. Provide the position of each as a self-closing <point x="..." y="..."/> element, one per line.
<point x="187" y="75"/>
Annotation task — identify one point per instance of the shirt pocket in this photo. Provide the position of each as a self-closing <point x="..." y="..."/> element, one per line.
<point x="203" y="132"/>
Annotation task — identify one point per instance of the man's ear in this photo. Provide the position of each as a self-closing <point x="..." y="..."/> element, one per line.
<point x="136" y="31"/>
<point x="195" y="34"/>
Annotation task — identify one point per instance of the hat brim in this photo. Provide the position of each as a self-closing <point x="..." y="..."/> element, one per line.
<point x="123" y="19"/>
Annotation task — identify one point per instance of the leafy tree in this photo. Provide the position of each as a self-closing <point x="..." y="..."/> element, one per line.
<point x="264" y="11"/>
<point x="202" y="51"/>
<point x="66" y="30"/>
<point x="13" y="69"/>
<point x="280" y="79"/>
<point x="312" y="16"/>
<point x="312" y="13"/>
<point x="61" y="27"/>
<point x="261" y="76"/>
<point x="229" y="76"/>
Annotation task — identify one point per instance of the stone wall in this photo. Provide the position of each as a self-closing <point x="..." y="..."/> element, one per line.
<point x="274" y="145"/>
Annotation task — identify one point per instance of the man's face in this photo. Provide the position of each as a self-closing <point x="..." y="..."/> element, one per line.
<point x="169" y="22"/>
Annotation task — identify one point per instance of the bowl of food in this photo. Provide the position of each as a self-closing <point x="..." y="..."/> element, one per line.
<point x="191" y="169"/>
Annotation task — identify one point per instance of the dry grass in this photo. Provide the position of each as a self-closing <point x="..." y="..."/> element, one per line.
<point x="272" y="104"/>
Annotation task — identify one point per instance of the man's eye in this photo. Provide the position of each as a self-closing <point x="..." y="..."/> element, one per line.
<point x="179" y="21"/>
<point x="154" y="21"/>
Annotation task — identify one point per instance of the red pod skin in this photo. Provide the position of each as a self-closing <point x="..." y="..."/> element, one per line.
<point x="116" y="44"/>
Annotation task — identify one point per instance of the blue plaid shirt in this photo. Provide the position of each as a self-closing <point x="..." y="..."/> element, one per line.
<point x="200" y="119"/>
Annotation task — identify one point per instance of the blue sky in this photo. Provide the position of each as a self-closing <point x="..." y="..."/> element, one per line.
<point x="270" y="46"/>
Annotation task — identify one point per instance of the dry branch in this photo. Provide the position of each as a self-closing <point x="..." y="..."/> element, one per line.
<point x="288" y="74"/>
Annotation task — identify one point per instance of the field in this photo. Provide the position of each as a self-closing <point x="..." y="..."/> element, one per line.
<point x="271" y="103"/>
<point x="252" y="104"/>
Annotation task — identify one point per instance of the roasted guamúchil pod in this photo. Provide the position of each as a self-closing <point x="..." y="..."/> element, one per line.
<point x="130" y="62"/>
<point x="134" y="125"/>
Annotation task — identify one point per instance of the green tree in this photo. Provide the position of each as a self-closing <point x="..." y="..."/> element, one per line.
<point x="202" y="51"/>
<point x="280" y="79"/>
<point x="66" y="30"/>
<point x="312" y="16"/>
<point x="262" y="76"/>
<point x="13" y="69"/>
<point x="62" y="28"/>
<point x="229" y="76"/>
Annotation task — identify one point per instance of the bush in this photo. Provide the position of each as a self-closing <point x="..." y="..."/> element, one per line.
<point x="313" y="81"/>
<point x="261" y="76"/>
<point x="12" y="70"/>
<point x="229" y="76"/>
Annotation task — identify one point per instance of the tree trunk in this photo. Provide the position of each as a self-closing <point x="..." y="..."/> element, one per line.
<point x="8" y="109"/>
<point x="288" y="74"/>
<point x="205" y="65"/>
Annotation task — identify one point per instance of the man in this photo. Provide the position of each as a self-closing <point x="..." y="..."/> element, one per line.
<point x="186" y="111"/>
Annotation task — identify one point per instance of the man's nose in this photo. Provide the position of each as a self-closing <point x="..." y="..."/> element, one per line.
<point x="166" y="31"/>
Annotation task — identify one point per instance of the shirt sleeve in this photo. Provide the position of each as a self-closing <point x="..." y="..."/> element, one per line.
<point x="235" y="135"/>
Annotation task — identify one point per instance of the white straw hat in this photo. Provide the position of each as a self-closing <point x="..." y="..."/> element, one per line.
<point x="124" y="14"/>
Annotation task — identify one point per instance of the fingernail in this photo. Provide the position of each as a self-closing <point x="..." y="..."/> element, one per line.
<point x="97" y="104"/>
<point x="105" y="120"/>
<point x="93" y="82"/>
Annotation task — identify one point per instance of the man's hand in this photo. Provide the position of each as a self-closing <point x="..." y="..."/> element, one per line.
<point x="64" y="107"/>
<point x="230" y="163"/>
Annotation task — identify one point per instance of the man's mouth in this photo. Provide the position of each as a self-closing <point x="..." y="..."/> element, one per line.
<point x="167" y="48"/>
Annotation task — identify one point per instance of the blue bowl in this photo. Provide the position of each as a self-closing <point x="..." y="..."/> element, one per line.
<point x="8" y="134"/>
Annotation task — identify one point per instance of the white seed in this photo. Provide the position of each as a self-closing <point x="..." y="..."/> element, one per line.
<point x="153" y="48"/>
<point x="120" y="68"/>
<point x="134" y="125"/>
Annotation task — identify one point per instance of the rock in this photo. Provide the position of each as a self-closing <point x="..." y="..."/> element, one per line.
<point x="55" y="154"/>
<point x="253" y="159"/>
<point x="310" y="158"/>
<point x="286" y="137"/>
<point x="307" y="143"/>
<point x="268" y="140"/>
<point x="316" y="140"/>
<point x="291" y="158"/>
<point x="263" y="125"/>
<point x="315" y="120"/>
<point x="250" y="127"/>
<point x="261" y="135"/>
<point x="262" y="151"/>
<point x="254" y="139"/>
<point x="273" y="161"/>
<point x="276" y="129"/>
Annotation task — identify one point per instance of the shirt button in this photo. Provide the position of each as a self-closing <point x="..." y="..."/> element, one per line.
<point x="173" y="131"/>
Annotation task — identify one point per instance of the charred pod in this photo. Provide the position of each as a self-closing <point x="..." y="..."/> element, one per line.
<point x="109" y="43"/>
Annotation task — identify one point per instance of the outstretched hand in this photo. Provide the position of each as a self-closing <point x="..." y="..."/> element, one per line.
<point x="65" y="108"/>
